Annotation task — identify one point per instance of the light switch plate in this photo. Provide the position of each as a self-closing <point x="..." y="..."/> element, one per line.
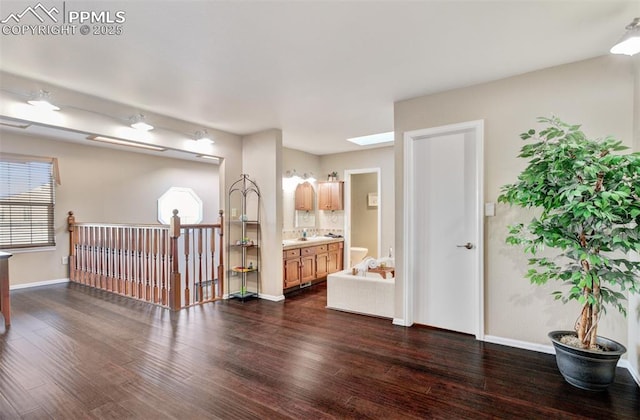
<point x="489" y="209"/>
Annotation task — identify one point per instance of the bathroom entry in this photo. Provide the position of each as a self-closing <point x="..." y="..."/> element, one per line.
<point x="362" y="230"/>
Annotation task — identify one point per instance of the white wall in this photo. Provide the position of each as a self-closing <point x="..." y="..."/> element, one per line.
<point x="262" y="161"/>
<point x="596" y="93"/>
<point x="108" y="186"/>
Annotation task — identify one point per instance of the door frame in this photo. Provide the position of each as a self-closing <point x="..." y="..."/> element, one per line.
<point x="410" y="137"/>
<point x="347" y="204"/>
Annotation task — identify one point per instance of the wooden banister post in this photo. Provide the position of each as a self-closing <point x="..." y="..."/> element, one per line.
<point x="221" y="248"/>
<point x="174" y="234"/>
<point x="71" y="221"/>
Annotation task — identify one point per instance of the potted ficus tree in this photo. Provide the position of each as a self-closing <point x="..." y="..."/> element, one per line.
<point x="587" y="196"/>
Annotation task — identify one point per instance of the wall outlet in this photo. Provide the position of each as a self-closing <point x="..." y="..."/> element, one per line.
<point x="65" y="260"/>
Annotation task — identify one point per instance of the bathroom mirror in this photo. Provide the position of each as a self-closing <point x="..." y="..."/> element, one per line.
<point x="305" y="209"/>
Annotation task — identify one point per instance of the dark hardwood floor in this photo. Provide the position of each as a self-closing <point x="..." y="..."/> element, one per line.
<point x="75" y="353"/>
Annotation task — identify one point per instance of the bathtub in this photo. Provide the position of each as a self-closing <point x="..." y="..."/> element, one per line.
<point x="368" y="295"/>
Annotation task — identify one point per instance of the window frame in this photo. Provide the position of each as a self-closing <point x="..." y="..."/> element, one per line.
<point x="38" y="233"/>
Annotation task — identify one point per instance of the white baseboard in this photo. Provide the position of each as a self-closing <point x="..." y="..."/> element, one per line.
<point x="401" y="322"/>
<point x="272" y="298"/>
<point x="37" y="284"/>
<point x="543" y="348"/>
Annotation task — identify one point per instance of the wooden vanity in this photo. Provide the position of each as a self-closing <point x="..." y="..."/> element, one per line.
<point x="305" y="263"/>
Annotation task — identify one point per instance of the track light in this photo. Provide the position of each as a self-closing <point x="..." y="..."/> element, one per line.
<point x="630" y="42"/>
<point x="202" y="137"/>
<point x="138" y="122"/>
<point x="41" y="100"/>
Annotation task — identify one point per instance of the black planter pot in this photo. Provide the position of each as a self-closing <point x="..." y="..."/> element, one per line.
<point x="587" y="369"/>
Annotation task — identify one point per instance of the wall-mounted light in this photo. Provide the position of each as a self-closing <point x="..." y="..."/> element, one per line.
<point x="203" y="137"/>
<point x="138" y="122"/>
<point x="630" y="42"/>
<point x="42" y="100"/>
<point x="293" y="175"/>
<point x="120" y="142"/>
<point x="309" y="177"/>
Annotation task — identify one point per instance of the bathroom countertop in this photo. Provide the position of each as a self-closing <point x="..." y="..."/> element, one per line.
<point x="313" y="241"/>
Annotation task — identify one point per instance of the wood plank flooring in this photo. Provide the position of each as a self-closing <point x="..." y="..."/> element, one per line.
<point x="77" y="353"/>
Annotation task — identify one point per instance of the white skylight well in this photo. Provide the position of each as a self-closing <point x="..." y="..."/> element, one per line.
<point x="373" y="139"/>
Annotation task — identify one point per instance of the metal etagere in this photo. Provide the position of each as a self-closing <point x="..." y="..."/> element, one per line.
<point x="243" y="239"/>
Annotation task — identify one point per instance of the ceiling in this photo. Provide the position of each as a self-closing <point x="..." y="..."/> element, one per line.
<point x="322" y="71"/>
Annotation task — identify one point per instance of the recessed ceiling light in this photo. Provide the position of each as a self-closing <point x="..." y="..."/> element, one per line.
<point x="119" y="142"/>
<point x="373" y="139"/>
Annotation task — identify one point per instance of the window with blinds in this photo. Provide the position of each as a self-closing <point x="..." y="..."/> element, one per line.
<point x="27" y="198"/>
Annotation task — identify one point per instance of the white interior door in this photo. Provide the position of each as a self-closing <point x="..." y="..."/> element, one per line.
<point x="445" y="238"/>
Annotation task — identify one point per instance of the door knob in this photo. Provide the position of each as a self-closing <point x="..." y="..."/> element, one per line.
<point x="468" y="245"/>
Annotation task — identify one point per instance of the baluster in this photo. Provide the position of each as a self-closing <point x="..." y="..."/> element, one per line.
<point x="127" y="261"/>
<point x="120" y="234"/>
<point x="212" y="252"/>
<point x="164" y="260"/>
<point x="156" y="234"/>
<point x="107" y="257"/>
<point x="92" y="257"/>
<point x="103" y="264"/>
<point x="187" y="295"/>
<point x="147" y="247"/>
<point x="200" y="289"/>
<point x="140" y="262"/>
<point x="220" y="256"/>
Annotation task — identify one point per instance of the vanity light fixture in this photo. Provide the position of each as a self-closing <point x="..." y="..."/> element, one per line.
<point x="119" y="142"/>
<point x="294" y="176"/>
<point x="630" y="42"/>
<point x="41" y="100"/>
<point x="373" y="139"/>
<point x="309" y="177"/>
<point x="138" y="122"/>
<point x="203" y="137"/>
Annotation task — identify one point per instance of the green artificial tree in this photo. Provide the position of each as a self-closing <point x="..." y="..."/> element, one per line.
<point x="588" y="197"/>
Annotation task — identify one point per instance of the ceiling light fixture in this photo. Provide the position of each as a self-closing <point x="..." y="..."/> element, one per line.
<point x="373" y="139"/>
<point x="119" y="142"/>
<point x="209" y="158"/>
<point x="202" y="137"/>
<point x="630" y="42"/>
<point x="14" y="123"/>
<point x="138" y="122"/>
<point x="41" y="100"/>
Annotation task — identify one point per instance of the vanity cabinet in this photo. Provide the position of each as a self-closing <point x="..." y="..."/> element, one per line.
<point x="304" y="197"/>
<point x="331" y="195"/>
<point x="308" y="264"/>
<point x="335" y="257"/>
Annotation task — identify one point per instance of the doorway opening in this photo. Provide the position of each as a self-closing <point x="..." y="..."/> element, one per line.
<point x="362" y="218"/>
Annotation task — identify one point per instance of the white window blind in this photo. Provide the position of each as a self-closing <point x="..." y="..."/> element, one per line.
<point x="27" y="198"/>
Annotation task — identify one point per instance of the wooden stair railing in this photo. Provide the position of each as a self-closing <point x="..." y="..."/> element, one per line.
<point x="174" y="265"/>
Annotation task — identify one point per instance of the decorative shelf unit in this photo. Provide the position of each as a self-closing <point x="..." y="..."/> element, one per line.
<point x="243" y="239"/>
